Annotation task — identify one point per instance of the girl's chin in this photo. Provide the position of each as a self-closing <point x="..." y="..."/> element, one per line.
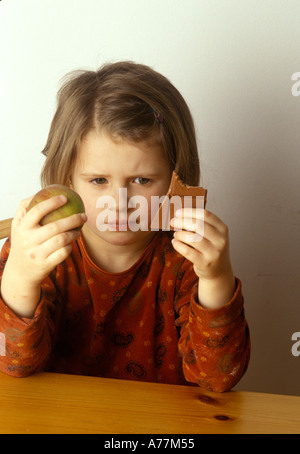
<point x="123" y="237"/>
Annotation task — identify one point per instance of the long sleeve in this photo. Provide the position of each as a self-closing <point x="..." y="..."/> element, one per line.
<point x="214" y="343"/>
<point x="27" y="341"/>
<point x="143" y="324"/>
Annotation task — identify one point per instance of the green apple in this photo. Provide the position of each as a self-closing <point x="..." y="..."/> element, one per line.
<point x="73" y="205"/>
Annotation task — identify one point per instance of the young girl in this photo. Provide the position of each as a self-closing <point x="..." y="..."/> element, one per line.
<point x="118" y="302"/>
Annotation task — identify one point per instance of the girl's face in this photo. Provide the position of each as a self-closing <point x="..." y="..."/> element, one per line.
<point x="116" y="180"/>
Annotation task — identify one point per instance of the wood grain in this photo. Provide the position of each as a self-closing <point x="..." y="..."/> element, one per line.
<point x="5" y="227"/>
<point x="56" y="403"/>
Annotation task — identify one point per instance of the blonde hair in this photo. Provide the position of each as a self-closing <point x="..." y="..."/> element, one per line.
<point x="128" y="100"/>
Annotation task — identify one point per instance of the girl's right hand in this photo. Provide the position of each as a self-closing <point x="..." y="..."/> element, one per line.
<point x="36" y="250"/>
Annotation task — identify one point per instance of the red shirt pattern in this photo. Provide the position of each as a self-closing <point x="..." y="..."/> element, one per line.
<point x="143" y="324"/>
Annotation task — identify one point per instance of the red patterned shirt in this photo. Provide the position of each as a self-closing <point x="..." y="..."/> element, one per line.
<point x="144" y="323"/>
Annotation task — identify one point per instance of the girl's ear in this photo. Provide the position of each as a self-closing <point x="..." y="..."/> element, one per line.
<point x="70" y="183"/>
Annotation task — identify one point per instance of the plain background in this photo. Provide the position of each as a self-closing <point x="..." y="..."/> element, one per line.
<point x="233" y="62"/>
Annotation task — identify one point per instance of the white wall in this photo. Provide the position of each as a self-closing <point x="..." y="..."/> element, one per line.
<point x="233" y="61"/>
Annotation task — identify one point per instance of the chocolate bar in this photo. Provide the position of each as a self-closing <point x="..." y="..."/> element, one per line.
<point x="179" y="195"/>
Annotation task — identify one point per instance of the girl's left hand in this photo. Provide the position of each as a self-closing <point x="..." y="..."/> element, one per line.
<point x="205" y="242"/>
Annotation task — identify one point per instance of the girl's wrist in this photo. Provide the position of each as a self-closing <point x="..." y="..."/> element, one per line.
<point x="214" y="293"/>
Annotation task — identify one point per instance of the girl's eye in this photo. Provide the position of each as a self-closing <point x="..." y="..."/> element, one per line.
<point x="99" y="181"/>
<point x="142" y="181"/>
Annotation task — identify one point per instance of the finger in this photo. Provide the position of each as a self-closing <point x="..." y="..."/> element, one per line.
<point x="57" y="242"/>
<point x="202" y="229"/>
<point x="35" y="214"/>
<point x="212" y="241"/>
<point x="208" y="216"/>
<point x="191" y="238"/>
<point x="59" y="256"/>
<point x="188" y="252"/>
<point x="190" y="224"/>
<point x="62" y="225"/>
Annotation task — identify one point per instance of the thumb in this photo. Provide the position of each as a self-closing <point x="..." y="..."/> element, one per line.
<point x="20" y="213"/>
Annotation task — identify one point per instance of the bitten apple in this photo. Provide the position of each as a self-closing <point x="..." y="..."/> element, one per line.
<point x="73" y="205"/>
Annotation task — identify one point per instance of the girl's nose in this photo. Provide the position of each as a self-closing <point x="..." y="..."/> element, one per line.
<point x="122" y="200"/>
<point x="120" y="196"/>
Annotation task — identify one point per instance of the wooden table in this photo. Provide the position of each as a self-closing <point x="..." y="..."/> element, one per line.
<point x="55" y="403"/>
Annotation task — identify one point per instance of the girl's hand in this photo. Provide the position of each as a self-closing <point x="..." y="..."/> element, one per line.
<point x="205" y="242"/>
<point x="35" y="251"/>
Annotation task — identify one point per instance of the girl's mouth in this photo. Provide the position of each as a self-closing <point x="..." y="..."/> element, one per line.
<point x="118" y="226"/>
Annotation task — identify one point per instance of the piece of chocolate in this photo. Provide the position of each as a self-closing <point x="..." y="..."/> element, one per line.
<point x="179" y="196"/>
